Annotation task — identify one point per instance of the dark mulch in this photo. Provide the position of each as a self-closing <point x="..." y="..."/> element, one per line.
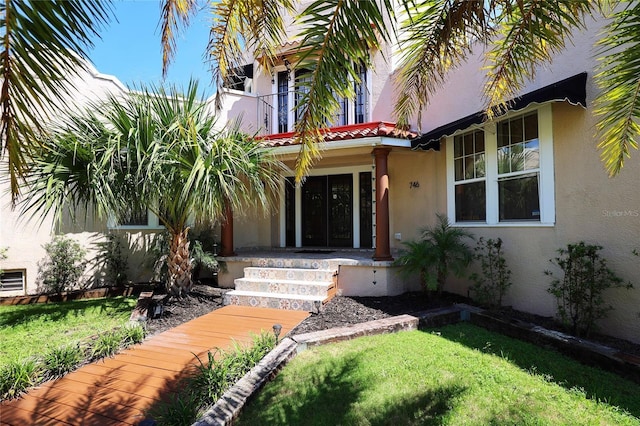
<point x="343" y="311"/>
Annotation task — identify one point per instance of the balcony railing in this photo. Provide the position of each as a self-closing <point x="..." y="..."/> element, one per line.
<point x="276" y="112"/>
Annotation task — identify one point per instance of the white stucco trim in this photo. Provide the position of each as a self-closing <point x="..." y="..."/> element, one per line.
<point x="345" y="144"/>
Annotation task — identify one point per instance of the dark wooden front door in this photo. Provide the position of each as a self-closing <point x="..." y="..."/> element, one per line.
<point x="327" y="211"/>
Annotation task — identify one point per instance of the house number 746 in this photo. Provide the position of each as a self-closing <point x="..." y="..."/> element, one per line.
<point x="414" y="184"/>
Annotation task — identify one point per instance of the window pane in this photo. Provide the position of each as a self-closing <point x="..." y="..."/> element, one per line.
<point x="503" y="134"/>
<point x="519" y="198"/>
<point x="457" y="146"/>
<point x="479" y="142"/>
<point x="516" y="130"/>
<point x="468" y="144"/>
<point x="360" y="88"/>
<point x="469" y="167"/>
<point x="283" y="102"/>
<point x="517" y="157"/>
<point x="504" y="160"/>
<point x="136" y="218"/>
<point x="470" y="202"/>
<point x="479" y="165"/>
<point x="459" y="164"/>
<point x="531" y="127"/>
<point x="532" y="156"/>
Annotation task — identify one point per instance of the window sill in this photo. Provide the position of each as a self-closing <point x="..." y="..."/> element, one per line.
<point x="504" y="225"/>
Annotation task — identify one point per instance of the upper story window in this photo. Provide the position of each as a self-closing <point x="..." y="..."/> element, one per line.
<point x="503" y="173"/>
<point x="279" y="112"/>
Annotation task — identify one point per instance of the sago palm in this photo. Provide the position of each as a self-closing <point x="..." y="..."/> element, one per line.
<point x="440" y="251"/>
<point x="153" y="149"/>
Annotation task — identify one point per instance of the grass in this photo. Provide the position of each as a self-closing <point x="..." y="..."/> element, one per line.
<point x="27" y="330"/>
<point x="460" y="374"/>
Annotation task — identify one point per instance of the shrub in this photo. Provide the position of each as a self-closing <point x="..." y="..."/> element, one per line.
<point x="3" y="255"/>
<point x="211" y="380"/>
<point x="492" y="284"/>
<point x="132" y="334"/>
<point x="62" y="360"/>
<point x="440" y="251"/>
<point x="64" y="265"/>
<point x="579" y="293"/>
<point x="106" y="344"/>
<point x="111" y="257"/>
<point x="17" y="376"/>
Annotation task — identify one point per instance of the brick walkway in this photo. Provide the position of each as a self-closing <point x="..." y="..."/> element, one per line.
<point x="120" y="390"/>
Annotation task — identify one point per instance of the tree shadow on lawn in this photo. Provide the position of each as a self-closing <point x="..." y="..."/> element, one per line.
<point x="333" y="396"/>
<point x="60" y="310"/>
<point x="597" y="384"/>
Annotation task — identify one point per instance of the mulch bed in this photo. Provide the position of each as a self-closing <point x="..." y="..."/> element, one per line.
<point x="344" y="311"/>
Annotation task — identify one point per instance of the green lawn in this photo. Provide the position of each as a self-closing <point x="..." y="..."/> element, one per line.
<point x="460" y="374"/>
<point x="32" y="329"/>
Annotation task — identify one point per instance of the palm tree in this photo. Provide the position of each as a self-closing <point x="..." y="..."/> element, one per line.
<point x="440" y="251"/>
<point x="518" y="36"/>
<point x="153" y="149"/>
<point x="43" y="43"/>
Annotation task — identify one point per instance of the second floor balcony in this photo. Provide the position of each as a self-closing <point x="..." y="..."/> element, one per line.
<point x="278" y="113"/>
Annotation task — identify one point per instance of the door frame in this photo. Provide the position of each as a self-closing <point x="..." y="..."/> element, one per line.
<point x="354" y="171"/>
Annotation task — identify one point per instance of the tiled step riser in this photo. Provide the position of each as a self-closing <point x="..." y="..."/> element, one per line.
<point x="279" y="274"/>
<point x="273" y="302"/>
<point x="284" y="287"/>
<point x="295" y="263"/>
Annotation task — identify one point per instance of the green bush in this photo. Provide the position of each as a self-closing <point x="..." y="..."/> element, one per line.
<point x="17" y="376"/>
<point x="132" y="334"/>
<point x="64" y="265"/>
<point x="212" y="378"/>
<point x="579" y="293"/>
<point x="440" y="251"/>
<point x="491" y="285"/>
<point x="106" y="344"/>
<point x="111" y="257"/>
<point x="60" y="361"/>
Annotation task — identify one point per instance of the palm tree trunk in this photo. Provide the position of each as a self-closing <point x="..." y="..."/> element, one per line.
<point x="179" y="263"/>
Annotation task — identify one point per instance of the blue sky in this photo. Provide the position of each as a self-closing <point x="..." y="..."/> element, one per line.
<point x="130" y="48"/>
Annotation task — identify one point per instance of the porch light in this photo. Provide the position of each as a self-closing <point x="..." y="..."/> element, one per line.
<point x="277" y="328"/>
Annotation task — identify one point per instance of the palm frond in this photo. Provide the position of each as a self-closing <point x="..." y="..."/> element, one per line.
<point x="618" y="105"/>
<point x="175" y="16"/>
<point x="336" y="34"/>
<point x="529" y="33"/>
<point x="433" y="37"/>
<point x="43" y="43"/>
<point x="240" y="26"/>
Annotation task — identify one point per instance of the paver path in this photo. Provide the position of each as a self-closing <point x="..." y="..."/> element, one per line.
<point x="119" y="390"/>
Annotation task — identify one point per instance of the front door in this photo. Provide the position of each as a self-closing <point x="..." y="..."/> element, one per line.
<point x="327" y="211"/>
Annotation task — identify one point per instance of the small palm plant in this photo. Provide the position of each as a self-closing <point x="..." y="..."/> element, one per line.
<point x="441" y="250"/>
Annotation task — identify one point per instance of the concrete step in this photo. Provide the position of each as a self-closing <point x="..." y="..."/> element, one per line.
<point x="292" y="274"/>
<point x="303" y="288"/>
<point x="275" y="301"/>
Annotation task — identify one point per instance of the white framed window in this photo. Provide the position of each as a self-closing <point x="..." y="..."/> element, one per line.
<point x="141" y="219"/>
<point x="287" y="93"/>
<point x="501" y="174"/>
<point x="12" y="281"/>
